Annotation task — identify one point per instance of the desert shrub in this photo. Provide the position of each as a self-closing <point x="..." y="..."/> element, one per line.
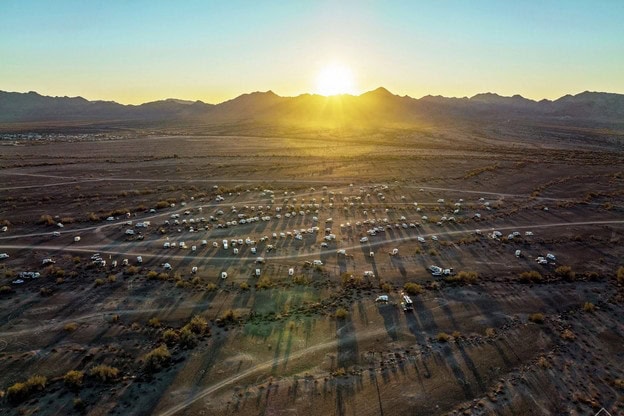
<point x="79" y="404"/>
<point x="68" y="220"/>
<point x="73" y="379"/>
<point x="104" y="373"/>
<point x="211" y="287"/>
<point x="45" y="291"/>
<point x="156" y="359"/>
<point x="70" y="327"/>
<point x="619" y="275"/>
<point x="154" y="322"/>
<point x="341" y="313"/>
<point x="589" y="307"/>
<point x="543" y="362"/>
<point x="592" y="275"/>
<point x="170" y="337"/>
<point x="180" y="283"/>
<point x="196" y="281"/>
<point x="300" y="280"/>
<point x="244" y="286"/>
<point x="386" y="287"/>
<point x="115" y="318"/>
<point x="565" y="272"/>
<point x="59" y="280"/>
<point x="465" y="277"/>
<point x="112" y="278"/>
<point x="187" y="338"/>
<point x="46" y="220"/>
<point x="413" y="288"/>
<point x="443" y="337"/>
<point x="92" y="216"/>
<point x="131" y="270"/>
<point x="490" y="332"/>
<point x="532" y="276"/>
<point x="98" y="282"/>
<point x="76" y="259"/>
<point x="152" y="274"/>
<point x="456" y="335"/>
<point x="163" y="276"/>
<point x="538" y="318"/>
<point x="162" y="204"/>
<point x="228" y="315"/>
<point x="19" y="392"/>
<point x="619" y="383"/>
<point x="5" y="289"/>
<point x="568" y="335"/>
<point x="349" y="280"/>
<point x="198" y="324"/>
<point x="264" y="283"/>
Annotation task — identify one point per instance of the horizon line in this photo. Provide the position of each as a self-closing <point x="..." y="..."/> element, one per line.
<point x="270" y="91"/>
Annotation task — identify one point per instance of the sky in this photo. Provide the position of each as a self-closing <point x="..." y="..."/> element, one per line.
<point x="145" y="50"/>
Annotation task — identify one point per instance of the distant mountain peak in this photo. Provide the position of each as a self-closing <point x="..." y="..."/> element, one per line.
<point x="378" y="106"/>
<point x="380" y="91"/>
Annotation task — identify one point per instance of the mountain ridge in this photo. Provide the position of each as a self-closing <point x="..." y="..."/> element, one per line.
<point x="378" y="106"/>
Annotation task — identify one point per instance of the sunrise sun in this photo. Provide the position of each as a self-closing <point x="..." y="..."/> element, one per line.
<point x="335" y="79"/>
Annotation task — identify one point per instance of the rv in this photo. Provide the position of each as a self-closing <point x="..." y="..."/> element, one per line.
<point x="407" y="303"/>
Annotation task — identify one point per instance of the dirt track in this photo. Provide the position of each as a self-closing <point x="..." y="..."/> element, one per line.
<point x="282" y="348"/>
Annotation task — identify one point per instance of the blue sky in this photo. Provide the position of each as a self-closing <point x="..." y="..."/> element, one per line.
<point x="137" y="51"/>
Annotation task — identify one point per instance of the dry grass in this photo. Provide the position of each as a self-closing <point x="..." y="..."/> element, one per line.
<point x="413" y="288"/>
<point x="537" y="318"/>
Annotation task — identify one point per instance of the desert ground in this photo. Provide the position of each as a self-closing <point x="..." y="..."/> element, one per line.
<point x="295" y="328"/>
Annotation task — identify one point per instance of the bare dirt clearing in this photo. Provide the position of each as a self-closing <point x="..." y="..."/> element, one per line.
<point x="299" y="331"/>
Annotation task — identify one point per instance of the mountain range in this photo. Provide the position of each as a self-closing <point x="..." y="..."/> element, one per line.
<point x="377" y="107"/>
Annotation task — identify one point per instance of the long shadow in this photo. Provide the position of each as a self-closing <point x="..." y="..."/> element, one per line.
<point x="471" y="366"/>
<point x="414" y="328"/>
<point x="427" y="321"/>
<point x="347" y="343"/>
<point x="457" y="371"/>
<point x="390" y="315"/>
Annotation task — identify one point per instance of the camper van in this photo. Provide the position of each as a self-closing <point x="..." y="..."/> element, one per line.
<point x="407" y="303"/>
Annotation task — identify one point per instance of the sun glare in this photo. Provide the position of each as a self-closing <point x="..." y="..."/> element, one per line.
<point x="335" y="79"/>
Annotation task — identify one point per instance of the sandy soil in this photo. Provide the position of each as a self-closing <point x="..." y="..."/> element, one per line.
<point x="317" y="342"/>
